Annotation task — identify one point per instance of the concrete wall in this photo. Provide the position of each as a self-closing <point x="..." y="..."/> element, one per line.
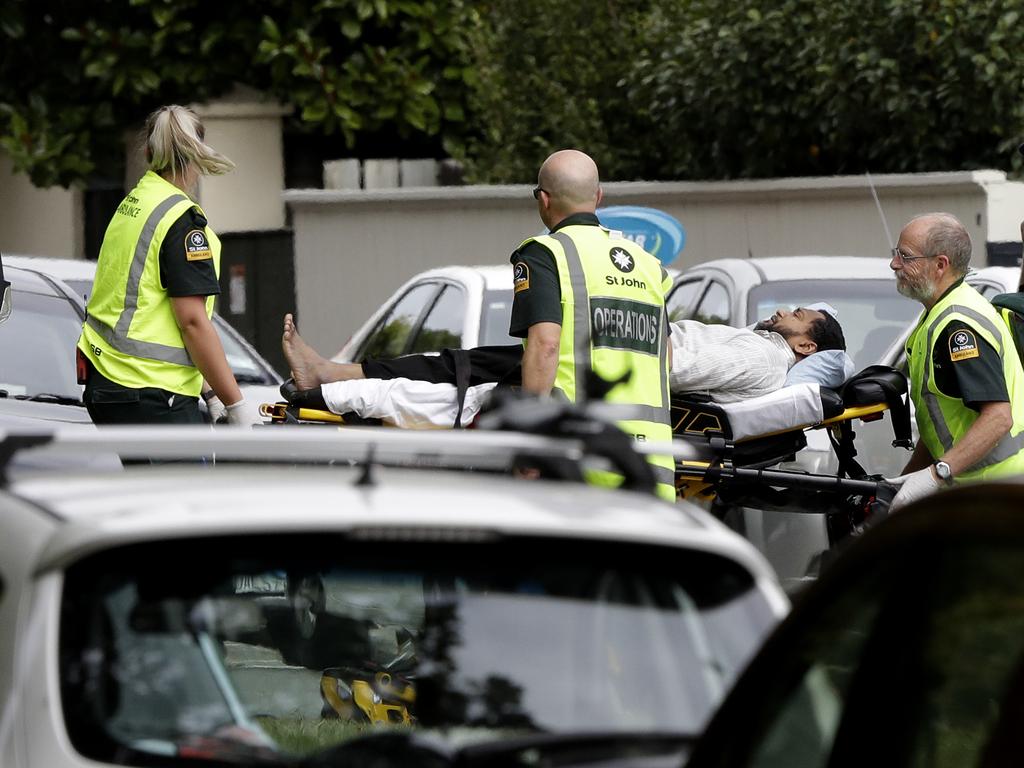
<point x="354" y="248"/>
<point x="43" y="222"/>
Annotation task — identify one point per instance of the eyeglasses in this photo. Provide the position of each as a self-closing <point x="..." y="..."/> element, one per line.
<point x="537" y="190"/>
<point x="896" y="253"/>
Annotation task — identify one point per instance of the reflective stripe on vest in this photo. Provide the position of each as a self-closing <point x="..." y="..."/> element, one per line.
<point x="663" y="467"/>
<point x="117" y="337"/>
<point x="581" y="341"/>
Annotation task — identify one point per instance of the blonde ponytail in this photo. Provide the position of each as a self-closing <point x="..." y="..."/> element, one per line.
<point x="174" y="141"/>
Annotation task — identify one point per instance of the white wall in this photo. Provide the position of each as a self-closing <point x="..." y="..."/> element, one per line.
<point x="43" y="222"/>
<point x="353" y="248"/>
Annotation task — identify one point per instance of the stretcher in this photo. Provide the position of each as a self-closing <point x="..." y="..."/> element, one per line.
<point x="734" y="448"/>
<point x="738" y="446"/>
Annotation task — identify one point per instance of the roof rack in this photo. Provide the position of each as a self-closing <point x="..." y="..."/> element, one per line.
<point x="561" y="457"/>
<point x="445" y="449"/>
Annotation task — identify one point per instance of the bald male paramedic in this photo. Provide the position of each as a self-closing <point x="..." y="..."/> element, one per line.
<point x="587" y="298"/>
<point x="966" y="378"/>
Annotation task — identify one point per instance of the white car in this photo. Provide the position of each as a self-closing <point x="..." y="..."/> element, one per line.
<point x="456" y="307"/>
<point x="37" y="352"/>
<point x="256" y="377"/>
<point x="139" y="625"/>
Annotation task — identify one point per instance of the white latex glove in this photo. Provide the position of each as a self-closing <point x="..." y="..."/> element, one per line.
<point x="217" y="411"/>
<point x="913" y="486"/>
<point x="242" y="414"/>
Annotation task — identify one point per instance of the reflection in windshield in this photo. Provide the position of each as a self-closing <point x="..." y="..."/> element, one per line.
<point x="245" y="368"/>
<point x="871" y="312"/>
<point x="499" y="637"/>
<point x="495" y="319"/>
<point x="37" y="347"/>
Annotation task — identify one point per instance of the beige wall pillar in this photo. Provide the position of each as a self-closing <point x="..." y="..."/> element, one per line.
<point x="40" y="222"/>
<point x="248" y="130"/>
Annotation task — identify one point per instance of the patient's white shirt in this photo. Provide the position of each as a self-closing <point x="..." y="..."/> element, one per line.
<point x="729" y="363"/>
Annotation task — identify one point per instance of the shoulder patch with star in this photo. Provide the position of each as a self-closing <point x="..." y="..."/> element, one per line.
<point x="197" y="247"/>
<point x="963" y="345"/>
<point x="520" y="276"/>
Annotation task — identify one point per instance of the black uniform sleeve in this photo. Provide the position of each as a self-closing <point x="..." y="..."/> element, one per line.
<point x="968" y="367"/>
<point x="186" y="258"/>
<point x="538" y="294"/>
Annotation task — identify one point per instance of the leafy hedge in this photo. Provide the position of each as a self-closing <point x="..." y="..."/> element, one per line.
<point x="75" y="76"/>
<point x="656" y="89"/>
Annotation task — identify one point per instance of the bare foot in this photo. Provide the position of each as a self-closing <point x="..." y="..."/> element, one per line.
<point x="303" y="360"/>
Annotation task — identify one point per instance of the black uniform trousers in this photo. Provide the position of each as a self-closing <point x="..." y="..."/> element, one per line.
<point x="111" y="403"/>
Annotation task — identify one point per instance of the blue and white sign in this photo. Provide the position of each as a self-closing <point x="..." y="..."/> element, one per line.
<point x="655" y="231"/>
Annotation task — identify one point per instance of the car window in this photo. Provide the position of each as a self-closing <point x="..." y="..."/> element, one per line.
<point x="37" y="346"/>
<point x="917" y="661"/>
<point x="246" y="368"/>
<point x="871" y="312"/>
<point x="681" y="297"/>
<point x="390" y="337"/>
<point x="713" y="307"/>
<point x="442" y="327"/>
<point x="496" y="318"/>
<point x="494" y="637"/>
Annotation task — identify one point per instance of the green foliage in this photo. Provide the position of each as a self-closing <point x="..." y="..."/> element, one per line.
<point x="546" y="78"/>
<point x="800" y="87"/>
<point x="696" y="89"/>
<point x="75" y="76"/>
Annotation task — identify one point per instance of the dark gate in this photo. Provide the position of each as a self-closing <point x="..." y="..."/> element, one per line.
<point x="257" y="282"/>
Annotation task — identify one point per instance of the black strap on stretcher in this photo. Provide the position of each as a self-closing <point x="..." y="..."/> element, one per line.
<point x="876" y="383"/>
<point x="463" y="367"/>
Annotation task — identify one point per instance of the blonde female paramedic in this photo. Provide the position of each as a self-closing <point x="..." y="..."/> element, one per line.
<point x="148" y="343"/>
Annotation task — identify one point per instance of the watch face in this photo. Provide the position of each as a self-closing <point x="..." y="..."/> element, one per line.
<point x="943" y="471"/>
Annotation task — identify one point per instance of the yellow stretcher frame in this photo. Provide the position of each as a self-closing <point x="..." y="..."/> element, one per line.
<point x="279" y="413"/>
<point x="691" y="482"/>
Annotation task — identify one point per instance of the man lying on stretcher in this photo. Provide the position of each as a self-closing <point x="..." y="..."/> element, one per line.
<point x="421" y="391"/>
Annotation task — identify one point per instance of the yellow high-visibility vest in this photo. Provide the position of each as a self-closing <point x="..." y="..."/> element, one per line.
<point x="131" y="335"/>
<point x="613" y="322"/>
<point x="943" y="420"/>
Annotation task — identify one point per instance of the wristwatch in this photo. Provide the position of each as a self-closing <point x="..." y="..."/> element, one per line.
<point x="943" y="472"/>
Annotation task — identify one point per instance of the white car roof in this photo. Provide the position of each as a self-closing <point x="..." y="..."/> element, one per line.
<point x="775" y="268"/>
<point x="93" y="509"/>
<point x="63" y="269"/>
<point x="495" y="277"/>
<point x="146" y="504"/>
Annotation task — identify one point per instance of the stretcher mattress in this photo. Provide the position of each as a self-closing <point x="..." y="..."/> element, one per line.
<point x="786" y="409"/>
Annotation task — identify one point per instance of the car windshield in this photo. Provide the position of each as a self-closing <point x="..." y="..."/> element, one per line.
<point x="871" y="312"/>
<point x="495" y="318"/>
<point x="37" y="347"/>
<point x="246" y="368"/>
<point x="246" y="647"/>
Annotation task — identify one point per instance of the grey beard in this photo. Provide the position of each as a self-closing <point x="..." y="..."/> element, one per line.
<point x="917" y="291"/>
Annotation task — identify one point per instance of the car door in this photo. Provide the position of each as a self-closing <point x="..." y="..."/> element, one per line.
<point x="909" y="651"/>
<point x="442" y="325"/>
<point x="392" y="334"/>
<point x="701" y="296"/>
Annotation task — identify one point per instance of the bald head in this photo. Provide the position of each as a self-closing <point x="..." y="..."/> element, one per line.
<point x="569" y="177"/>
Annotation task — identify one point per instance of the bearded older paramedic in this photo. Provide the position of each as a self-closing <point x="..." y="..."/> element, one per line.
<point x="586" y="298"/>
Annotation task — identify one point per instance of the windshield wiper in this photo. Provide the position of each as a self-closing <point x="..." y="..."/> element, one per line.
<point x="49" y="397"/>
<point x="251" y="378"/>
<point x="421" y="750"/>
